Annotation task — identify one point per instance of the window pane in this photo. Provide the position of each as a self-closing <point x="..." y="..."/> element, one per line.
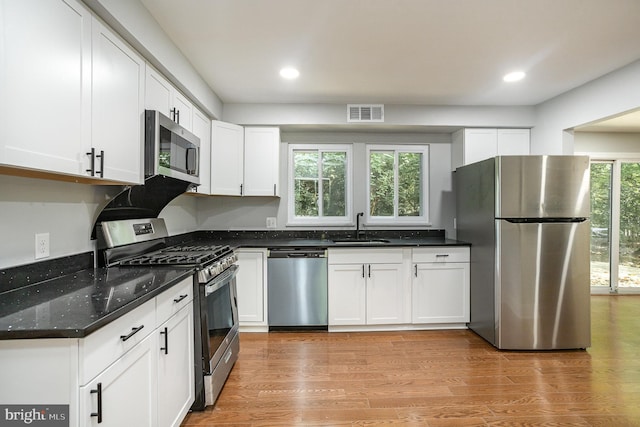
<point x="629" y="265"/>
<point x="305" y="165"/>
<point x="600" y="223"/>
<point x="334" y="189"/>
<point x="382" y="183"/>
<point x="409" y="184"/>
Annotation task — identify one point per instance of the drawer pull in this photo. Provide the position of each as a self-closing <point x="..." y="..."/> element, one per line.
<point x="166" y="340"/>
<point x="442" y="255"/>
<point x="180" y="298"/>
<point x="132" y="333"/>
<point x="98" y="414"/>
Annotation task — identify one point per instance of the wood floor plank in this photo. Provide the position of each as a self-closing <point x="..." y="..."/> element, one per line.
<point x="434" y="379"/>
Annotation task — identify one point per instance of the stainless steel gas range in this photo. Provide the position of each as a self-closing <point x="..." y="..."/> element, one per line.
<point x="142" y="242"/>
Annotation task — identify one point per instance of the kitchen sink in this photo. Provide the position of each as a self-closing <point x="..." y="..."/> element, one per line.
<point x="360" y="241"/>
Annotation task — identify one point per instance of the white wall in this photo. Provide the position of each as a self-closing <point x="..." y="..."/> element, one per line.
<point x="604" y="143"/>
<point x="67" y="211"/>
<point x="395" y="115"/>
<point x="610" y="95"/>
<point x="239" y="213"/>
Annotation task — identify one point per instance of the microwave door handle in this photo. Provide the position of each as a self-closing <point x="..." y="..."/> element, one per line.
<point x="192" y="159"/>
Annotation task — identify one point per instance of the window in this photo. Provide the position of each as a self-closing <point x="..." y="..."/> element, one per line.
<point x="397" y="184"/>
<point x="319" y="182"/>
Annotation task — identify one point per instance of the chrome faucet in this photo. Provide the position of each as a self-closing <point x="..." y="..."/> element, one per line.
<point x="358" y="215"/>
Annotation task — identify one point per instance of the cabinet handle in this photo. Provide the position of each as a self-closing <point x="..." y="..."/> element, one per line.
<point x="166" y="340"/>
<point x="416" y="270"/>
<point x="132" y="333"/>
<point x="363" y="271"/>
<point x="92" y="157"/>
<point x="98" y="414"/>
<point x="369" y="270"/>
<point x="101" y="171"/>
<point x="442" y="255"/>
<point x="241" y="189"/>
<point x="178" y="116"/>
<point x="173" y="114"/>
<point x="180" y="298"/>
<point x="274" y="189"/>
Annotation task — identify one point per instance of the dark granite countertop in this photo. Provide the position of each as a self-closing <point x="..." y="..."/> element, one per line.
<point x="76" y="304"/>
<point x="324" y="239"/>
<point x="67" y="298"/>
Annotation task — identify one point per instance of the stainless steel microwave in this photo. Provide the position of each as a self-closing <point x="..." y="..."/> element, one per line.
<point x="170" y="149"/>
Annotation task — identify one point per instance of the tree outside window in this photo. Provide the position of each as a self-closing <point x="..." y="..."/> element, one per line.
<point x="397" y="184"/>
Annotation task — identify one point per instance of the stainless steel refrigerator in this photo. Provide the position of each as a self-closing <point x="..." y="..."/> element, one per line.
<point x="527" y="219"/>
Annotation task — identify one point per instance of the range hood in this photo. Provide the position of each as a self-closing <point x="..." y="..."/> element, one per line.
<point x="142" y="201"/>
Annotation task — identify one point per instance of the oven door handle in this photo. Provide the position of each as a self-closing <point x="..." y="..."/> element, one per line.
<point x="220" y="280"/>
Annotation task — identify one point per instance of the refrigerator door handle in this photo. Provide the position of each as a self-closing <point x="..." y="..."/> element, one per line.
<point x="543" y="220"/>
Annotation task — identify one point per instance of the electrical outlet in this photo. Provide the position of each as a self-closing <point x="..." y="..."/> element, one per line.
<point x="42" y="245"/>
<point x="271" y="222"/>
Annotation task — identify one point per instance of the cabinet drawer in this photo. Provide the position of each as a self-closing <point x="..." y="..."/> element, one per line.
<point x="104" y="346"/>
<point x="365" y="256"/>
<point x="440" y="254"/>
<point x="172" y="300"/>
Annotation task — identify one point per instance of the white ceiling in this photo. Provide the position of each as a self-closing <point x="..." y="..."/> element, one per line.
<point x="428" y="52"/>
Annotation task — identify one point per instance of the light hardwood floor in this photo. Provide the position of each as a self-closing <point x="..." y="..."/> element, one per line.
<point x="434" y="378"/>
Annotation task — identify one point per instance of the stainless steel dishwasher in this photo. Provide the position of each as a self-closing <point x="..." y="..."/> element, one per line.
<point x="297" y="288"/>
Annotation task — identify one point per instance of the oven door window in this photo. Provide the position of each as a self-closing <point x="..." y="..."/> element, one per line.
<point x="220" y="315"/>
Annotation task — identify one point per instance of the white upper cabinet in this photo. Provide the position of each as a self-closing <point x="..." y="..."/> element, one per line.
<point x="261" y="161"/>
<point x="72" y="93"/>
<point x="162" y="96"/>
<point x="473" y="145"/>
<point x="227" y="158"/>
<point x="117" y="112"/>
<point x="202" y="129"/>
<point x="244" y="161"/>
<point x="45" y="82"/>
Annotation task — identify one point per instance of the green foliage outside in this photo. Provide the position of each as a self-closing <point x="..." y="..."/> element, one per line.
<point x="312" y="167"/>
<point x="383" y="186"/>
<point x="629" y="212"/>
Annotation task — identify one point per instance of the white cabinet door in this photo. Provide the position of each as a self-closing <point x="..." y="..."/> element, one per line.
<point x="347" y="294"/>
<point x="183" y="111"/>
<point x="513" y="142"/>
<point x="202" y="129"/>
<point x="227" y="154"/>
<point x="261" y="161"/>
<point x="440" y="293"/>
<point x="480" y="144"/>
<point x="124" y="394"/>
<point x="158" y="92"/>
<point x="250" y="286"/>
<point x="45" y="82"/>
<point x="117" y="106"/>
<point x="175" y="367"/>
<point x="385" y="294"/>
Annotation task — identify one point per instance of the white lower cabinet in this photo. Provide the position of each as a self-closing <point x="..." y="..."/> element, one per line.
<point x="367" y="287"/>
<point x="175" y="368"/>
<point x="250" y="283"/>
<point x="440" y="285"/>
<point x="123" y="374"/>
<point x="124" y="393"/>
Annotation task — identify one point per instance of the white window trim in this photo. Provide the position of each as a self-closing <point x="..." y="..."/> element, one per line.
<point x="346" y="220"/>
<point x="397" y="220"/>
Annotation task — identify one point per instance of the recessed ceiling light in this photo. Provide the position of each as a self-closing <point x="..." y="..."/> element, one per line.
<point x="514" y="77"/>
<point x="289" y="73"/>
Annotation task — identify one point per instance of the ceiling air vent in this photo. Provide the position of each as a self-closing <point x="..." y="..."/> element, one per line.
<point x="365" y="113"/>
